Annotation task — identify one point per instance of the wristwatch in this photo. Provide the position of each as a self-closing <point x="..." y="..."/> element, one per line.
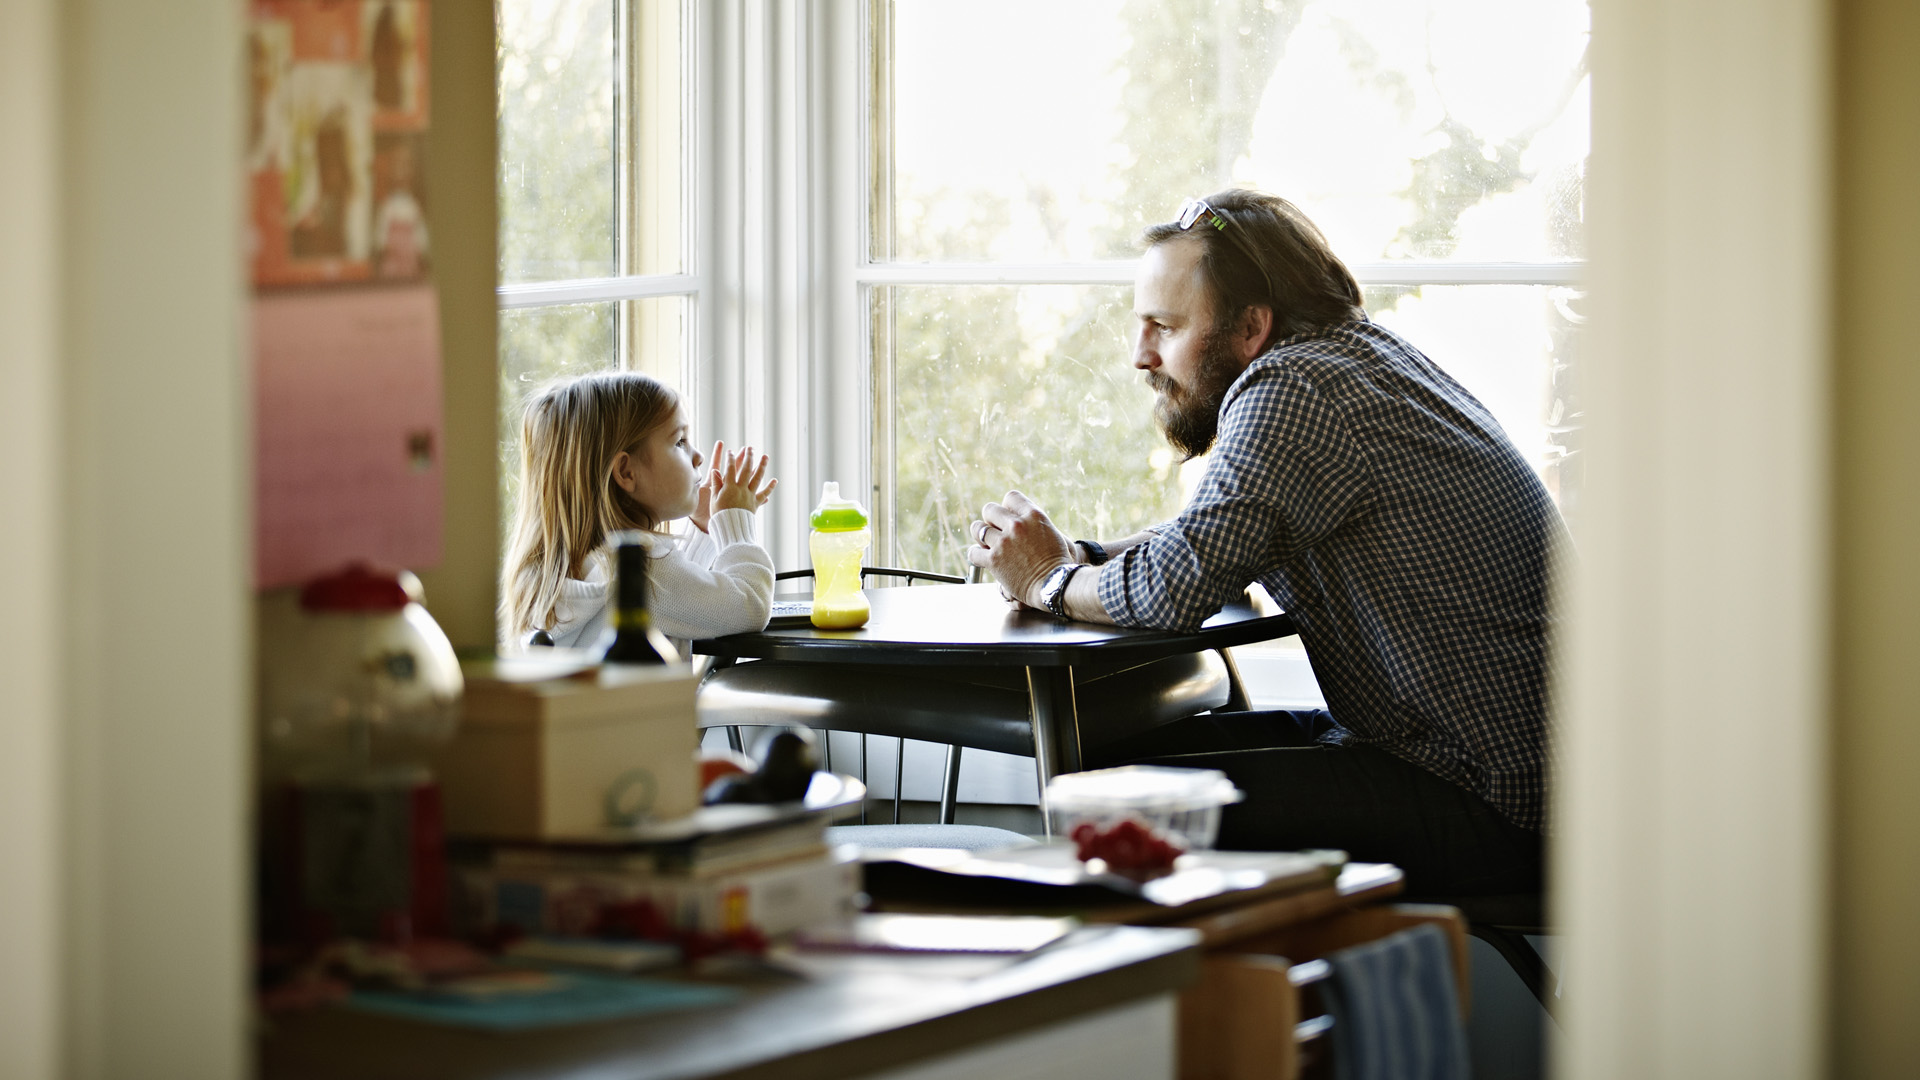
<point x="1053" y="588"/>
<point x="1096" y="555"/>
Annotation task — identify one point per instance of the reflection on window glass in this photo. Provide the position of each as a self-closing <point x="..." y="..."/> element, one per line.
<point x="538" y="345"/>
<point x="1029" y="387"/>
<point x="556" y="97"/>
<point x="1405" y="128"/>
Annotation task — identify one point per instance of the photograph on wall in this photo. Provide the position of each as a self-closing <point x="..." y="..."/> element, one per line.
<point x="337" y="122"/>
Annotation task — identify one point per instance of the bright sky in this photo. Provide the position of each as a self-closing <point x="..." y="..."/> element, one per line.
<point x="1005" y="97"/>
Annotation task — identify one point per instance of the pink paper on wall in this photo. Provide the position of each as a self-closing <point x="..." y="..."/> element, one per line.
<point x="348" y="430"/>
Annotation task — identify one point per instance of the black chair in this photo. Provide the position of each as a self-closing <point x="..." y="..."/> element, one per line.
<point x="986" y="708"/>
<point x="1505" y="921"/>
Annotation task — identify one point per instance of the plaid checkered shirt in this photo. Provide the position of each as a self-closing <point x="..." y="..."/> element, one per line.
<point x="1384" y="508"/>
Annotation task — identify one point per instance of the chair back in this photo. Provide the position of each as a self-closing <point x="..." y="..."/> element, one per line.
<point x="869" y="572"/>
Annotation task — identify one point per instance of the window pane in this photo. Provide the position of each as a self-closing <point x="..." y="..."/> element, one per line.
<point x="557" y="98"/>
<point x="1025" y="387"/>
<point x="1405" y="128"/>
<point x="1032" y="387"/>
<point x="538" y="345"/>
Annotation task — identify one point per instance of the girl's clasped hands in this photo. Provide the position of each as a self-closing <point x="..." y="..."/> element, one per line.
<point x="733" y="483"/>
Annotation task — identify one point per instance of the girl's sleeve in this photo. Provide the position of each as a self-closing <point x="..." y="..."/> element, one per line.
<point x="698" y="544"/>
<point x="730" y="594"/>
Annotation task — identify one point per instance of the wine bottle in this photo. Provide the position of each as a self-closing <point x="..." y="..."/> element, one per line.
<point x="631" y="635"/>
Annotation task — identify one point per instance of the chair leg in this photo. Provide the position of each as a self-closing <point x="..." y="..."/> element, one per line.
<point x="1522" y="957"/>
<point x="950" y="786"/>
<point x="734" y="742"/>
<point x="863" y="775"/>
<point x="1237" y="700"/>
<point x="899" y="772"/>
<point x="826" y="750"/>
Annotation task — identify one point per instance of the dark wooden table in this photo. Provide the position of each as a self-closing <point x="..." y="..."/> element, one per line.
<point x="848" y="1020"/>
<point x="973" y="625"/>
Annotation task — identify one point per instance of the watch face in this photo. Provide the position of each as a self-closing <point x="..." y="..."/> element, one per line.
<point x="1051" y="592"/>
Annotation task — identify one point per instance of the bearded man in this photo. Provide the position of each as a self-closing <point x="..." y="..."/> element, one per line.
<point x="1381" y="505"/>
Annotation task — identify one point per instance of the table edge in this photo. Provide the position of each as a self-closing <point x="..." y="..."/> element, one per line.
<point x="1168" y="970"/>
<point x="763" y="645"/>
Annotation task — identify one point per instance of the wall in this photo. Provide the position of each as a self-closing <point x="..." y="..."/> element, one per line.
<point x="461" y="591"/>
<point x="124" y="577"/>
<point x="1876" y="750"/>
<point x="1691" y="732"/>
<point x="157" y="541"/>
<point x="30" y="685"/>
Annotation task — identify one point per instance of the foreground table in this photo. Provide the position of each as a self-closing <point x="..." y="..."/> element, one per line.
<point x="1255" y="1012"/>
<point x="857" y="1016"/>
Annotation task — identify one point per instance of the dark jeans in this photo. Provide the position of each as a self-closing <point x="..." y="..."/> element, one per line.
<point x="1376" y="807"/>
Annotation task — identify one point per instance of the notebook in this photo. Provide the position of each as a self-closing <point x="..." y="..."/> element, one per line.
<point x="790" y="615"/>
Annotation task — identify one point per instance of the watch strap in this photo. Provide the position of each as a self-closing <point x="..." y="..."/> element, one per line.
<point x="1053" y="593"/>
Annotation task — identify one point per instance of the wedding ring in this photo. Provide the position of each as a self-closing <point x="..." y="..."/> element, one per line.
<point x="983" y="533"/>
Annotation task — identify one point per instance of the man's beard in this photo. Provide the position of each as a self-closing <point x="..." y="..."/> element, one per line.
<point x="1189" y="416"/>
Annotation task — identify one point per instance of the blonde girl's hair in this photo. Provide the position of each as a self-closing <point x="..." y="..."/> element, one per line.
<point x="569" y="435"/>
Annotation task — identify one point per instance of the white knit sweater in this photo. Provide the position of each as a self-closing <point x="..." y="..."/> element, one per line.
<point x="702" y="585"/>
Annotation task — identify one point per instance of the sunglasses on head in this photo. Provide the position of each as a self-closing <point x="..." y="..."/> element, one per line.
<point x="1193" y="211"/>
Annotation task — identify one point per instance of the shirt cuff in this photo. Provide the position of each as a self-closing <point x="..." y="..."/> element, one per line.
<point x="1114" y="587"/>
<point x="730" y="527"/>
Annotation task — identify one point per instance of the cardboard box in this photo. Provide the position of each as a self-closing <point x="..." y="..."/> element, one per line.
<point x="540" y="758"/>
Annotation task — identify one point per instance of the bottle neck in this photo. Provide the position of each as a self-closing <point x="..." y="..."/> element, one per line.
<point x="631" y="600"/>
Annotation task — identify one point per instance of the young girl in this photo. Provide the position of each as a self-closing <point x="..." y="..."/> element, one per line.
<point x="601" y="453"/>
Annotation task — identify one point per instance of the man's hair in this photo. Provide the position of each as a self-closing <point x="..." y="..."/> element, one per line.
<point x="1269" y="254"/>
<point x="570" y="432"/>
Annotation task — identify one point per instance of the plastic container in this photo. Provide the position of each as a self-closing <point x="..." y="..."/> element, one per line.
<point x="1179" y="806"/>
<point x="839" y="537"/>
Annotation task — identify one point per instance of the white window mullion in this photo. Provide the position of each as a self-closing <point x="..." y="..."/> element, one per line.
<point x="763" y="294"/>
<point x="720" y="195"/>
<point x="596" y="290"/>
<point x="871" y="165"/>
<point x="1121" y="272"/>
<point x="785" y="392"/>
<point x="697" y="216"/>
<point x="759" y="162"/>
<point x="838" y="368"/>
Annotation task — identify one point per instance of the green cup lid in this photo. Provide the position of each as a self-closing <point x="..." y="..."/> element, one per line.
<point x="835" y="514"/>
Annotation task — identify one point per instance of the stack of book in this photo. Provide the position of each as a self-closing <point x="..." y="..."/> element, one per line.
<point x="770" y="878"/>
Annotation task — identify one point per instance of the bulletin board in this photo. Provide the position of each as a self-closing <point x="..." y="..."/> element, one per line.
<point x="346" y="338"/>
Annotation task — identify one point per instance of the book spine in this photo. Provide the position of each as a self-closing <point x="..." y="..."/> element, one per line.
<point x="773" y="900"/>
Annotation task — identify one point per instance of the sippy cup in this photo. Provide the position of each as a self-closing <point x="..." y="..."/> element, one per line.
<point x="839" y="536"/>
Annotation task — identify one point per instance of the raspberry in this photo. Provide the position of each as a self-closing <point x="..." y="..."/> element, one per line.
<point x="1128" y="848"/>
